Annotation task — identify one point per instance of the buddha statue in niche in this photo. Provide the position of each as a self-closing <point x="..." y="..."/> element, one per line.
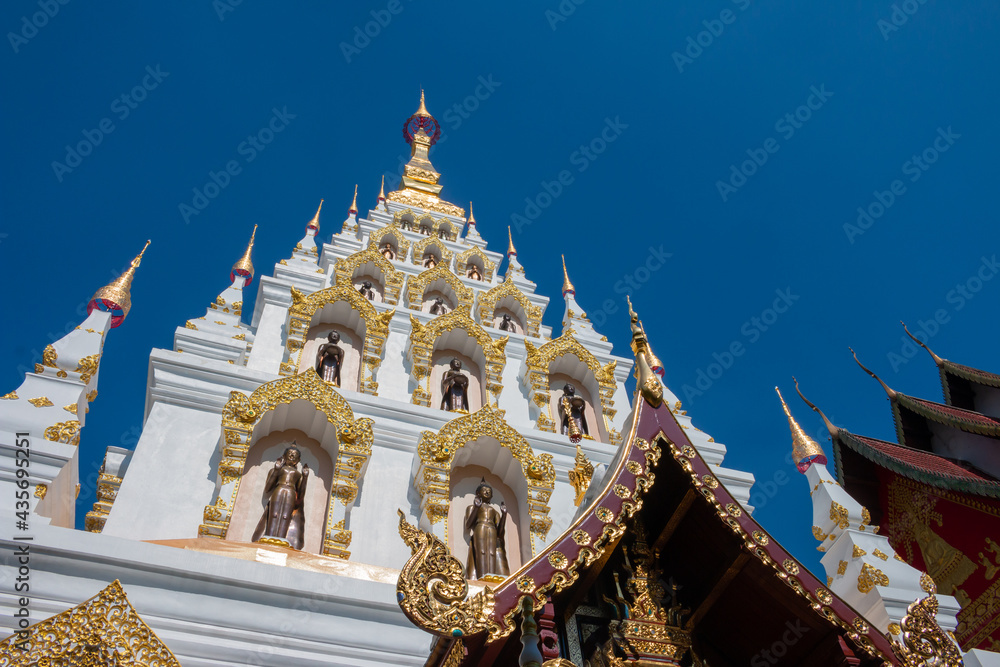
<point x="571" y="409"/>
<point x="474" y="273"/>
<point x="429" y="261"/>
<point x="285" y="488"/>
<point x="388" y="252"/>
<point x="455" y="388"/>
<point x="366" y="290"/>
<point x="330" y="359"/>
<point x="507" y="324"/>
<point x="438" y="307"/>
<point x="485" y="526"/>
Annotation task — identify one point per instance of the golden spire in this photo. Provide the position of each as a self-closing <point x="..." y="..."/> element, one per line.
<point x="354" y="202"/>
<point x="422" y="111"/>
<point x="472" y="217"/>
<point x="888" y="390"/>
<point x="115" y="297"/>
<point x="381" y="190"/>
<point x="511" y="250"/>
<point x="567" y="285"/>
<point x="805" y="450"/>
<point x="243" y="266"/>
<point x="314" y="223"/>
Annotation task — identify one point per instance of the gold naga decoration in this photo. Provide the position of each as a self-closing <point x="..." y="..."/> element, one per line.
<point x="301" y="318"/>
<point x="104" y="631"/>
<point x="506" y="291"/>
<point x="581" y="474"/>
<point x="424" y="336"/>
<point x="243" y="413"/>
<point x="924" y="642"/>
<point x="392" y="279"/>
<point x="437" y="453"/>
<point x="418" y="285"/>
<point x="649" y="385"/>
<point x="462" y="263"/>
<point x="432" y="590"/>
<point x="378" y="239"/>
<point x="536" y="377"/>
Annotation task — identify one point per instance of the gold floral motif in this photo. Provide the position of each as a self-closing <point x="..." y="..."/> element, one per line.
<point x="558" y="560"/>
<point x="842" y="567"/>
<point x="91" y="395"/>
<point x="67" y="432"/>
<point x="838" y="513"/>
<point x="432" y="589"/>
<point x="605" y="515"/>
<point x="40" y="402"/>
<point x="791" y="567"/>
<point x="346" y="269"/>
<point x="507" y="291"/>
<point x="858" y="552"/>
<point x="824" y="595"/>
<point x="581" y="537"/>
<point x="734" y="510"/>
<point x="70" y="408"/>
<point x="49" y="356"/>
<point x="622" y="491"/>
<point x="710" y="481"/>
<point x="895" y="629"/>
<point x="871" y="577"/>
<point x="860" y="625"/>
<point x="41" y="490"/>
<point x="425" y="201"/>
<point x="107" y="491"/>
<point x="760" y="538"/>
<point x="87" y="367"/>
<point x="878" y="554"/>
<point x="927" y="583"/>
<point x="188" y="325"/>
<point x="104" y="630"/>
<point x="9" y="396"/>
<point x="526" y="584"/>
<point x="924" y="642"/>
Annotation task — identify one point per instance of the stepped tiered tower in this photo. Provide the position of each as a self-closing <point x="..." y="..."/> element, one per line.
<point x="395" y="380"/>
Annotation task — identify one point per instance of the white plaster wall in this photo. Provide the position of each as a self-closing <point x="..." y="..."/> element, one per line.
<point x="268" y="344"/>
<point x="387" y="487"/>
<point x="392" y="376"/>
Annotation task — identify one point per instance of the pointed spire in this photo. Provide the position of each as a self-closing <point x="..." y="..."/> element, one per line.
<point x="115" y="297"/>
<point x="472" y="216"/>
<point x="243" y="266"/>
<point x="422" y="111"/>
<point x="354" y="202"/>
<point x="805" y="450"/>
<point x="567" y="285"/>
<point x="511" y="250"/>
<point x="937" y="360"/>
<point x="313" y="225"/>
<point x="381" y="190"/>
<point x="888" y="390"/>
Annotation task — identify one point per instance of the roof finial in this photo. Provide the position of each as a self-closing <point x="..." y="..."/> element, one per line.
<point x="805" y="450"/>
<point x="381" y="190"/>
<point x="472" y="216"/>
<point x="422" y="111"/>
<point x="567" y="285"/>
<point x="511" y="250"/>
<point x="829" y="425"/>
<point x="313" y="225"/>
<point x="354" y="202"/>
<point x="937" y="360"/>
<point x="115" y="297"/>
<point x="891" y="392"/>
<point x="648" y="385"/>
<point x="243" y="266"/>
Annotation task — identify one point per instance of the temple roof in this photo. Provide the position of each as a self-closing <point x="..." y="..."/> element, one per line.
<point x="960" y="418"/>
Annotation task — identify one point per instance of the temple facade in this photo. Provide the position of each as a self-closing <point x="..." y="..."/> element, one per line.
<point x="393" y="461"/>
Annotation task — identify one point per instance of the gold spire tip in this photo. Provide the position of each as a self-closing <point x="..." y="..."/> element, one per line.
<point x="805" y="450"/>
<point x="354" y="202"/>
<point x="381" y="190"/>
<point x="511" y="250"/>
<point x="244" y="263"/>
<point x="138" y="258"/>
<point x="422" y="111"/>
<point x="472" y="216"/>
<point x="567" y="285"/>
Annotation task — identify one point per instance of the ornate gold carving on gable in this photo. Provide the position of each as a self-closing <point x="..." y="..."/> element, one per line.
<point x="67" y="432"/>
<point x="345" y="270"/>
<point x="420" y="248"/>
<point x="107" y="491"/>
<point x="462" y="263"/>
<point x="49" y="356"/>
<point x="418" y="285"/>
<point x="581" y="474"/>
<point x="488" y="304"/>
<point x="377" y="239"/>
<point x="103" y="631"/>
<point x="924" y="641"/>
<point x="871" y="577"/>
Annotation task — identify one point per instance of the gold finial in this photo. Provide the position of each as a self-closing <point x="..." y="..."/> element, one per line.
<point x="937" y="360"/>
<point x="567" y="285"/>
<point x="648" y="384"/>
<point x="115" y="297"/>
<point x="422" y="111"/>
<point x="805" y="450"/>
<point x="314" y="223"/>
<point x="472" y="217"/>
<point x="243" y="266"/>
<point x="511" y="250"/>
<point x="354" y="202"/>
<point x="381" y="190"/>
<point x="888" y="390"/>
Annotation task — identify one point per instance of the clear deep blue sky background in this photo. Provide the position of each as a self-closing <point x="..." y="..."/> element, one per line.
<point x="655" y="185"/>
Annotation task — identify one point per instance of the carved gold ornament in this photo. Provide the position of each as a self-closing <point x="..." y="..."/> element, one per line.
<point x="838" y="513"/>
<point x="67" y="432"/>
<point x="558" y="560"/>
<point x="418" y="286"/>
<point x="103" y="631"/>
<point x="791" y="567"/>
<point x="363" y="262"/>
<point x="503" y="294"/>
<point x="107" y="491"/>
<point x="420" y="249"/>
<point x="41" y="490"/>
<point x="378" y="239"/>
<point x="582" y="472"/>
<point x="871" y="577"/>
<point x="425" y="201"/>
<point x="239" y="418"/>
<point x="9" y="396"/>
<point x="924" y="642"/>
<point x="462" y="263"/>
<point x="432" y="590"/>
<point x="40" y="402"/>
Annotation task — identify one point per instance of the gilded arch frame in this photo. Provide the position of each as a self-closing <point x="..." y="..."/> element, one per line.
<point x="536" y="378"/>
<point x="423" y="338"/>
<point x="345" y="269"/>
<point x="461" y="263"/>
<point x="243" y="413"/>
<point x="421" y="246"/>
<point x="418" y="285"/>
<point x="304" y="309"/>
<point x="393" y="230"/>
<point x="488" y="304"/>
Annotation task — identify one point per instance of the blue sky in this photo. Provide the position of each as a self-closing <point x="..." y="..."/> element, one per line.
<point x="739" y="137"/>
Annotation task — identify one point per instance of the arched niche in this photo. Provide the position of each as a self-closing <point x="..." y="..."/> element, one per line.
<point x="458" y="345"/>
<point x="370" y="263"/>
<point x="447" y="297"/>
<point x="392" y="235"/>
<point x="568" y="370"/>
<point x="424" y="225"/>
<point x="306" y="403"/>
<point x="378" y="289"/>
<point x="515" y="320"/>
<point x="435" y="247"/>
<point x="439" y="278"/>
<point x="445" y="229"/>
<point x="363" y="333"/>
<point x="405" y="219"/>
<point x="485" y="440"/>
<point x="251" y="499"/>
<point x="506" y="296"/>
<point x="565" y="355"/>
<point x="465" y="479"/>
<point x="455" y="332"/>
<point x="475" y="256"/>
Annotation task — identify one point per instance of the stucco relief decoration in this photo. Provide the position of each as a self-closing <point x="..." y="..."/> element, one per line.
<point x="462" y="263"/>
<point x="488" y="305"/>
<point x="924" y="642"/>
<point x="346" y="268"/>
<point x="418" y="286"/>
<point x="300" y="319"/>
<point x="420" y="248"/>
<point x="536" y="378"/>
<point x="243" y="413"/>
<point x="422" y="341"/>
<point x="105" y="630"/>
<point x="379" y="239"/>
<point x="437" y="453"/>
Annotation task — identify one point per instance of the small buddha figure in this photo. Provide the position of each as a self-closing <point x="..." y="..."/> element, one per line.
<point x="425" y="230"/>
<point x="455" y="388"/>
<point x="473" y="273"/>
<point x="388" y="252"/>
<point x="285" y="490"/>
<point x="507" y="324"/>
<point x="406" y="224"/>
<point x="438" y="307"/>
<point x="574" y="421"/>
<point x="430" y="261"/>
<point x="330" y="359"/>
<point x="442" y="234"/>
<point x="485" y="526"/>
<point x="366" y="290"/>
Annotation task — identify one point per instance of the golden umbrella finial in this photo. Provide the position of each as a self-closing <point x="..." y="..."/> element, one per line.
<point x="243" y="266"/>
<point x="511" y="250"/>
<point x="314" y="223"/>
<point x="115" y="297"/>
<point x="805" y="450"/>
<point x="567" y="285"/>
<point x="354" y="202"/>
